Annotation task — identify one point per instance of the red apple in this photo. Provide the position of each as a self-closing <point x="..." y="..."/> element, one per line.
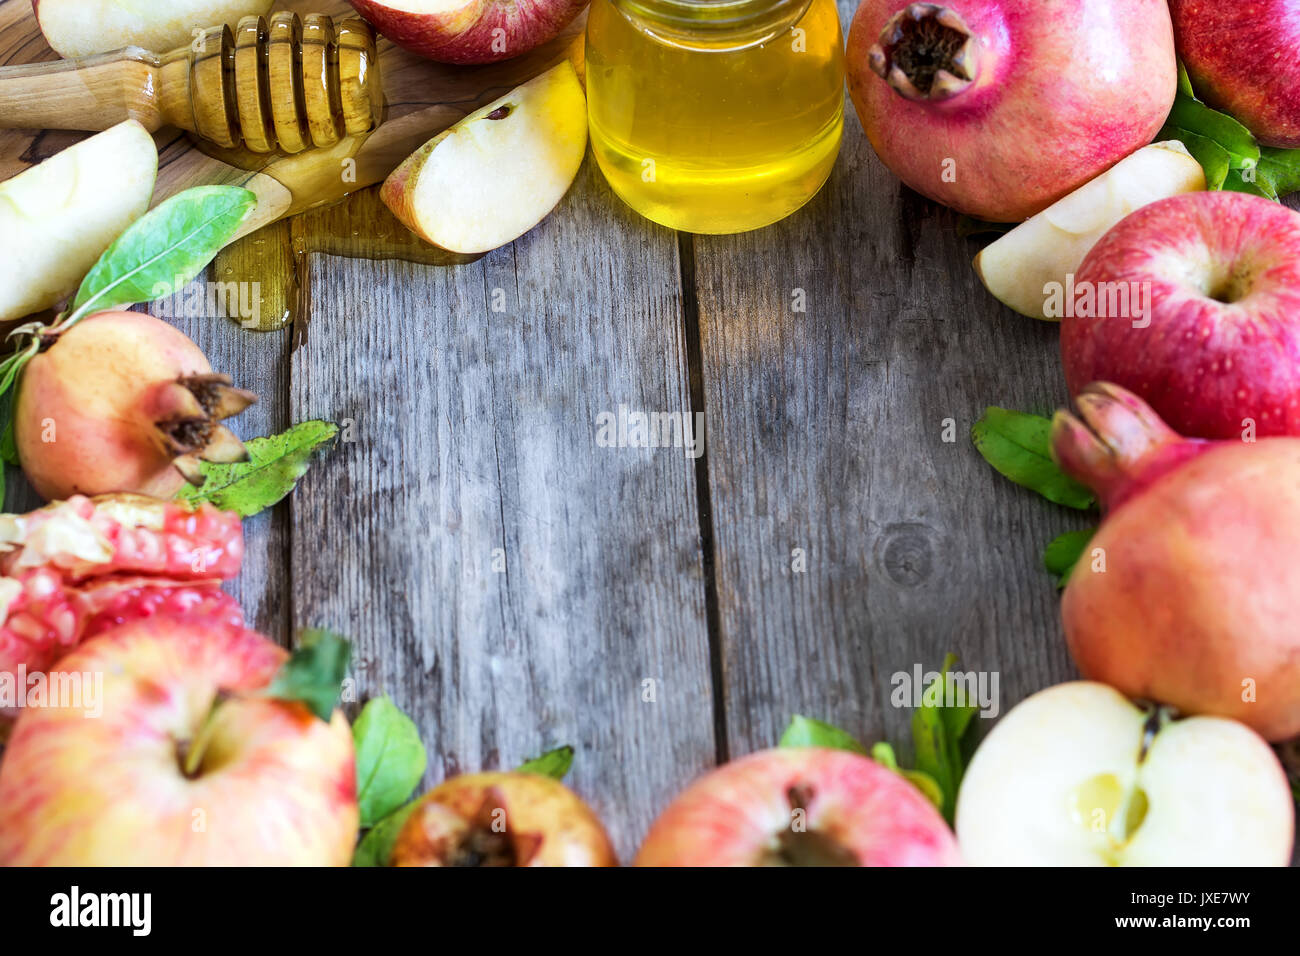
<point x="998" y="108"/>
<point x="469" y="31"/>
<point x="1244" y="58"/>
<point x="146" y="771"/>
<point x="502" y="819"/>
<point x="1211" y="333"/>
<point x="800" y="807"/>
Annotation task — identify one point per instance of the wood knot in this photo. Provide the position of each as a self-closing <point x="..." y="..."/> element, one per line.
<point x="907" y="554"/>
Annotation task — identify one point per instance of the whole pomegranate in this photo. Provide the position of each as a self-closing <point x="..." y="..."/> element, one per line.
<point x="123" y="402"/>
<point x="998" y="108"/>
<point x="1245" y="58"/>
<point x="1189" y="592"/>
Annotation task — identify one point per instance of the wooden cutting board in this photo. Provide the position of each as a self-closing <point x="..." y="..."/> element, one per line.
<point x="422" y="98"/>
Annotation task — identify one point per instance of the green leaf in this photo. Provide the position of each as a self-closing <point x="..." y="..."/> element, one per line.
<point x="1018" y="446"/>
<point x="273" y="468"/>
<point x="314" y="672"/>
<point x="939" y="729"/>
<point x="1064" y="552"/>
<point x="163" y="249"/>
<point x="1249" y="181"/>
<point x="1190" y="115"/>
<point x="376" y="847"/>
<point x="1185" y="81"/>
<point x="883" y="754"/>
<point x="554" y="763"/>
<point x="8" y="445"/>
<point x="806" y="732"/>
<point x="10" y="369"/>
<point x="1279" y="169"/>
<point x="390" y="759"/>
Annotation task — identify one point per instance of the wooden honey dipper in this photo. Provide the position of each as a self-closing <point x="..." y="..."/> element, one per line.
<point x="286" y="83"/>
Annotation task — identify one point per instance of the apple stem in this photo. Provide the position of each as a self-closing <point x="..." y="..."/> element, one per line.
<point x="198" y="745"/>
<point x="926" y="53"/>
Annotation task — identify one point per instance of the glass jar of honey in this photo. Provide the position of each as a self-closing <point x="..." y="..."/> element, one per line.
<point x="715" y="116"/>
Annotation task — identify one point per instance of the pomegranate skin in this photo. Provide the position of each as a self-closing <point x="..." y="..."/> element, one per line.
<point x="1188" y="594"/>
<point x="1210" y="368"/>
<point x="1064" y="90"/>
<point x="98" y="392"/>
<point x="1244" y="58"/>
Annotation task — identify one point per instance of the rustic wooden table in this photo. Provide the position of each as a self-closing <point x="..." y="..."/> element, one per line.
<point x="515" y="585"/>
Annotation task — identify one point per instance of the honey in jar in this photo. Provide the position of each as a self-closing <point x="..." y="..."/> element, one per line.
<point x="715" y="116"/>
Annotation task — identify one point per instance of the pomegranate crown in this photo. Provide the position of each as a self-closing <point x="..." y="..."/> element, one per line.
<point x="1117" y="443"/>
<point x="189" y="430"/>
<point x="926" y="53"/>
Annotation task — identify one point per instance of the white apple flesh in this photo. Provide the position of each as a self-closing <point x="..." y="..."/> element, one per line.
<point x="85" y="27"/>
<point x="1019" y="267"/>
<point x="59" y="216"/>
<point x="469" y="31"/>
<point x="1077" y="775"/>
<point x="497" y="173"/>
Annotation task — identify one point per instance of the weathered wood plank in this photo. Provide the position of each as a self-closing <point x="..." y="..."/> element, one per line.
<point x="826" y="434"/>
<point x="511" y="584"/>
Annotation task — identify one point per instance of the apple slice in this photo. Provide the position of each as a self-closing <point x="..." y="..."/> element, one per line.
<point x="1053" y="244"/>
<point x="84" y="27"/>
<point x="1076" y="775"/>
<point x="494" y="175"/>
<point x="58" y="217"/>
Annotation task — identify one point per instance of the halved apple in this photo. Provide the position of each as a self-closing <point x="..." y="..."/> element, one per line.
<point x="59" y="216"/>
<point x="494" y="175"/>
<point x="1076" y="775"/>
<point x="84" y="27"/>
<point x="1019" y="267"/>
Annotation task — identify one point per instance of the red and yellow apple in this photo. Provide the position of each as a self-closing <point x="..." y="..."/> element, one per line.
<point x="181" y="761"/>
<point x="469" y="31"/>
<point x="800" y="807"/>
<point x="502" y="819"/>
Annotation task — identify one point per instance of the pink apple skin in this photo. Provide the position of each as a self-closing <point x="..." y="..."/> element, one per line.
<point x="1206" y="366"/>
<point x="1200" y="586"/>
<point x="1244" y="58"/>
<point x="276" y="785"/>
<point x="738" y="814"/>
<point x="1065" y="89"/>
<point x="462" y="32"/>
